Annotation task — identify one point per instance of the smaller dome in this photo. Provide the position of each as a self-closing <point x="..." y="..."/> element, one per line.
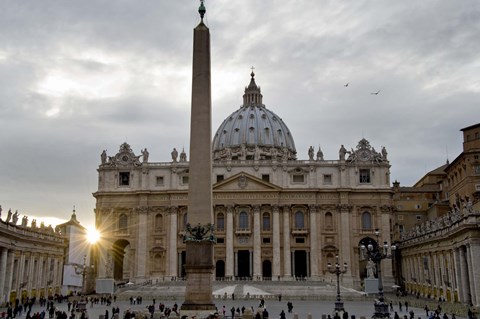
<point x="253" y="132"/>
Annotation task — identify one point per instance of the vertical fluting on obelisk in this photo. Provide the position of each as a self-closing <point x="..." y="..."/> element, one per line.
<point x="199" y="237"/>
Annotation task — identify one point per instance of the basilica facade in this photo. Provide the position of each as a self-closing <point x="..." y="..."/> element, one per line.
<point x="276" y="217"/>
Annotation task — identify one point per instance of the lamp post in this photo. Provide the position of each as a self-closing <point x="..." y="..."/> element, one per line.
<point x="338" y="303"/>
<point x="376" y="254"/>
<point x="83" y="270"/>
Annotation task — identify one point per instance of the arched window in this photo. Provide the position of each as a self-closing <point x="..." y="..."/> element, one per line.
<point x="220" y="222"/>
<point x="243" y="220"/>
<point x="266" y="221"/>
<point x="328" y="220"/>
<point x="299" y="220"/>
<point x="122" y="222"/>
<point x="159" y="222"/>
<point x="366" y="220"/>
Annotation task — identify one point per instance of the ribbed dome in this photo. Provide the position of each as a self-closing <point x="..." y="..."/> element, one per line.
<point x="253" y="132"/>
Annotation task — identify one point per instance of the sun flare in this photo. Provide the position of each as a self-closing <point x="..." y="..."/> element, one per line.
<point x="92" y="235"/>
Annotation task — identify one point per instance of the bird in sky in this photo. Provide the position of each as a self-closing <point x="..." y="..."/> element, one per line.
<point x="345" y="85"/>
<point x="375" y="93"/>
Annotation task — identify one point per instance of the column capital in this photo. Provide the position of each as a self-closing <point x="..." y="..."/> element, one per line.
<point x="275" y="209"/>
<point x="256" y="208"/>
<point x="230" y="209"/>
<point x="141" y="209"/>
<point x="313" y="208"/>
<point x="173" y="210"/>
<point x="344" y="208"/>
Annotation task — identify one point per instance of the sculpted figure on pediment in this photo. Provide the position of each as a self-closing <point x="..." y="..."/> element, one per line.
<point x="15" y="217"/>
<point x="183" y="156"/>
<point x="342" y="152"/>
<point x="24" y="221"/>
<point x="103" y="157"/>
<point x="384" y="153"/>
<point x="145" y="155"/>
<point x="311" y="153"/>
<point x="319" y="154"/>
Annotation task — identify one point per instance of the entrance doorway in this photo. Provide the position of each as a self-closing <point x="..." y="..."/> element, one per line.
<point x="300" y="257"/>
<point x="243" y="263"/>
<point x="120" y="261"/>
<point x="267" y="269"/>
<point x="220" y="269"/>
<point x="183" y="257"/>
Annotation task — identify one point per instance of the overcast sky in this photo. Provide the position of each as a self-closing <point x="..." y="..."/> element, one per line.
<point x="77" y="77"/>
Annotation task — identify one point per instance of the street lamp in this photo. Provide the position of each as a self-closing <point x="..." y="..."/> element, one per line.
<point x="338" y="303"/>
<point x="376" y="254"/>
<point x="83" y="270"/>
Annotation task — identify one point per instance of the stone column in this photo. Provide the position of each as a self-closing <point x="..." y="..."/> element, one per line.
<point x="314" y="262"/>
<point x="276" y="243"/>
<point x="387" y="272"/>
<point x="41" y="272"/>
<point x="458" y="279"/>
<point x="172" y="242"/>
<point x="9" y="276"/>
<point x="142" y="242"/>
<point x="31" y="275"/>
<point x="473" y="253"/>
<point x="464" y="276"/>
<point x="55" y="271"/>
<point x="345" y="243"/>
<point x="436" y="271"/>
<point x="257" y="248"/>
<point x="3" y="274"/>
<point x="229" y="263"/>
<point x="20" y="275"/>
<point x="235" y="264"/>
<point x="287" y="261"/>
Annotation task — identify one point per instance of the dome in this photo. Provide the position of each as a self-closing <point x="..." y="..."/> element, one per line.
<point x="253" y="132"/>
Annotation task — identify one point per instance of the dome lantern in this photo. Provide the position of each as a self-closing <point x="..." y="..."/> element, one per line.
<point x="252" y="95"/>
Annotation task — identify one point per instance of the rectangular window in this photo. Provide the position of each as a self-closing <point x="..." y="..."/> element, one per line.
<point x="266" y="240"/>
<point x="401" y="228"/>
<point x="364" y="176"/>
<point x="327" y="179"/>
<point x="476" y="168"/>
<point x="220" y="240"/>
<point x="298" y="178"/>
<point x="220" y="178"/>
<point x="124" y="178"/>
<point x="266" y="178"/>
<point x="160" y="181"/>
<point x="185" y="180"/>
<point x="300" y="240"/>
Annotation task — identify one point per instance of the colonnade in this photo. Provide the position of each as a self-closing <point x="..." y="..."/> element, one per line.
<point x="31" y="262"/>
<point x="452" y="273"/>
<point x="28" y="274"/>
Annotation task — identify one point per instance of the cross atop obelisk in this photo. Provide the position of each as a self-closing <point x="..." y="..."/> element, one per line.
<point x="199" y="235"/>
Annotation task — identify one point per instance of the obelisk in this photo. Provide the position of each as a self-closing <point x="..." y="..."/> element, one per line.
<point x="199" y="235"/>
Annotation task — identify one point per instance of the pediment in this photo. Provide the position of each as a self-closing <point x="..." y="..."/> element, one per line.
<point x="246" y="182"/>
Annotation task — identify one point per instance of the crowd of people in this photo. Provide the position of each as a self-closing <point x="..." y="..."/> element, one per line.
<point x="77" y="308"/>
